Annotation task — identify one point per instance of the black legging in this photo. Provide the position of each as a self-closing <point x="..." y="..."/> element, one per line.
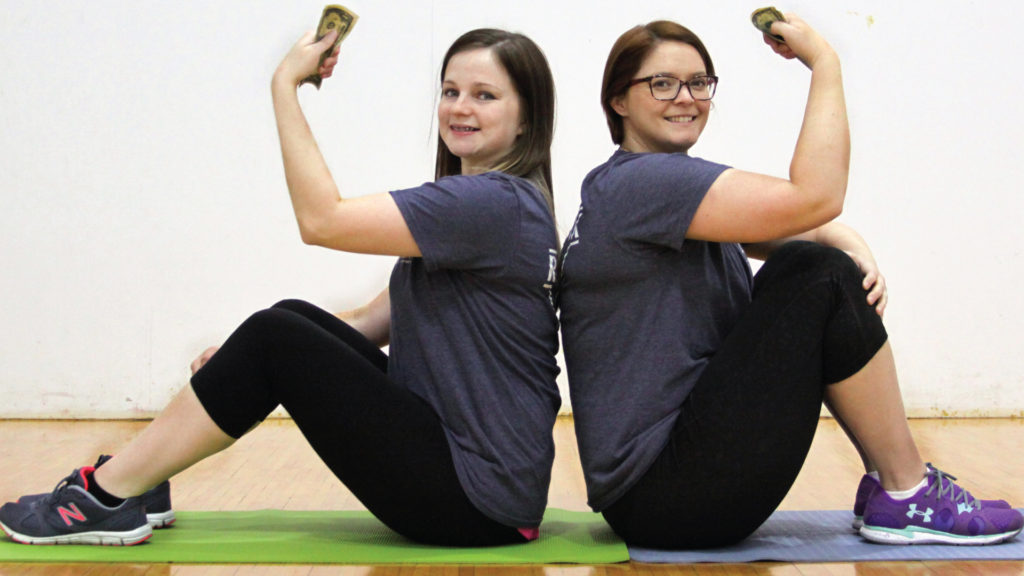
<point x="381" y="440"/>
<point x="746" y="428"/>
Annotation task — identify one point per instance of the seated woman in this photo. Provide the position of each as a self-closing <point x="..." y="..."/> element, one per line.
<point x="696" y="387"/>
<point x="448" y="439"/>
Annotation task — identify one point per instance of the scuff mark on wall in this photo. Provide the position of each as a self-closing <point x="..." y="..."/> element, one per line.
<point x="869" y="19"/>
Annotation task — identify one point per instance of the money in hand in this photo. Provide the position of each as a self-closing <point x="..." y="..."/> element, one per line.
<point x="338" y="18"/>
<point x="763" y="18"/>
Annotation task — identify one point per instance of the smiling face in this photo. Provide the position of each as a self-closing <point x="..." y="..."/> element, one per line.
<point x="479" y="112"/>
<point x="663" y="125"/>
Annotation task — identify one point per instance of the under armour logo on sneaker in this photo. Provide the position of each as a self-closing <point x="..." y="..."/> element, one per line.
<point x="73" y="514"/>
<point x="913" y="512"/>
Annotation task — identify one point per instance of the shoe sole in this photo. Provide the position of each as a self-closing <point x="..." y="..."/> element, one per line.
<point x="161" y="519"/>
<point x="131" y="538"/>
<point x="916" y="535"/>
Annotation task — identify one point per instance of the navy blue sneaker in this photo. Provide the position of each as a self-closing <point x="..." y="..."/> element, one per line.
<point x="70" y="515"/>
<point x="156" y="501"/>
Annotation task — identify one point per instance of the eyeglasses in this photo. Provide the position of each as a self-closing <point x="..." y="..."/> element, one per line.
<point x="665" y="87"/>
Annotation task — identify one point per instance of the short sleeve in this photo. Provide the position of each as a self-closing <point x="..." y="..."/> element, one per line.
<point x="658" y="195"/>
<point x="463" y="222"/>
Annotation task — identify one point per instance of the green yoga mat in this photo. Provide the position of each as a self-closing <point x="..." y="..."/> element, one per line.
<point x="335" y="537"/>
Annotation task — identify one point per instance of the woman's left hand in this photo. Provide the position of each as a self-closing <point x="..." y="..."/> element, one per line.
<point x="303" y="60"/>
<point x="203" y="358"/>
<point x="801" y="42"/>
<point x="874" y="281"/>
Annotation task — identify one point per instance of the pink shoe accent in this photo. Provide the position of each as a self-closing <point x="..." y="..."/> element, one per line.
<point x="530" y="534"/>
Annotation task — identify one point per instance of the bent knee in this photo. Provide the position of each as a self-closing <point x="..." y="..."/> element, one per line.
<point x="803" y="256"/>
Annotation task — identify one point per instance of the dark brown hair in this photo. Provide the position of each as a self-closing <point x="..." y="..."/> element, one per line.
<point x="526" y="66"/>
<point x="628" y="55"/>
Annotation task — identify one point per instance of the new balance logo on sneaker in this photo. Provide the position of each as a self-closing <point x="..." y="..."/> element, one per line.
<point x="157" y="501"/>
<point x="70" y="515"/>
<point x="73" y="514"/>
<point x="939" y="513"/>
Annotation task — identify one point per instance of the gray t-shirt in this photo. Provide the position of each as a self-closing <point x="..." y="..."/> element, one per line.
<point x="474" y="333"/>
<point x="642" y="308"/>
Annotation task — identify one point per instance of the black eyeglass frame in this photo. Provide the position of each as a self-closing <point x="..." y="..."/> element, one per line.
<point x="712" y="82"/>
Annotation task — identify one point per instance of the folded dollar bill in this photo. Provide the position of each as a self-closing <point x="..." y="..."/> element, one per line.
<point x="763" y="19"/>
<point x="334" y="17"/>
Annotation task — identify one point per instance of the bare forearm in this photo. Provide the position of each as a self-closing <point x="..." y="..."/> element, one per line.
<point x="310" y="185"/>
<point x="821" y="162"/>
<point x="834" y="234"/>
<point x="372" y="320"/>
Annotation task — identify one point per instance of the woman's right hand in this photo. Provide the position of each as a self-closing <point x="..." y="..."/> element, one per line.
<point x="304" y="59"/>
<point x="203" y="358"/>
<point x="802" y="41"/>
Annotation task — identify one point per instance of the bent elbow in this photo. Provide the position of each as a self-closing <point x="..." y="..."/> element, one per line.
<point x="308" y="239"/>
<point x="311" y="233"/>
<point x="817" y="212"/>
<point x="828" y="206"/>
<point x="837" y="202"/>
<point x="834" y="208"/>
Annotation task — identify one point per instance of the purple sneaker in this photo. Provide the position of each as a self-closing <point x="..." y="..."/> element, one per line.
<point x="868" y="484"/>
<point x="939" y="513"/>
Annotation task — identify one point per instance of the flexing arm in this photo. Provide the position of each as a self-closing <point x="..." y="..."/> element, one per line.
<point x="367" y="224"/>
<point x="747" y="207"/>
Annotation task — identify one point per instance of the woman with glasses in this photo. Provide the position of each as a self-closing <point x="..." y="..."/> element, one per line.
<point x="447" y="439"/>
<point x="696" y="387"/>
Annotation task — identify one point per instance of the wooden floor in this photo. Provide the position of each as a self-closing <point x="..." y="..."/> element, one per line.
<point x="273" y="467"/>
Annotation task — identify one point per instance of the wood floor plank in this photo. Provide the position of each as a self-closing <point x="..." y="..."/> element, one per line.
<point x="273" y="467"/>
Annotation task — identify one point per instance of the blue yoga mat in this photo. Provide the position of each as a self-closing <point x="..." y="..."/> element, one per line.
<point x="823" y="536"/>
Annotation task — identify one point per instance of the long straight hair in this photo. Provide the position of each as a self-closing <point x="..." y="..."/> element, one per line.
<point x="526" y="66"/>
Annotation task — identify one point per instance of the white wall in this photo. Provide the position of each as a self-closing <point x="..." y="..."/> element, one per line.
<point x="145" y="214"/>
